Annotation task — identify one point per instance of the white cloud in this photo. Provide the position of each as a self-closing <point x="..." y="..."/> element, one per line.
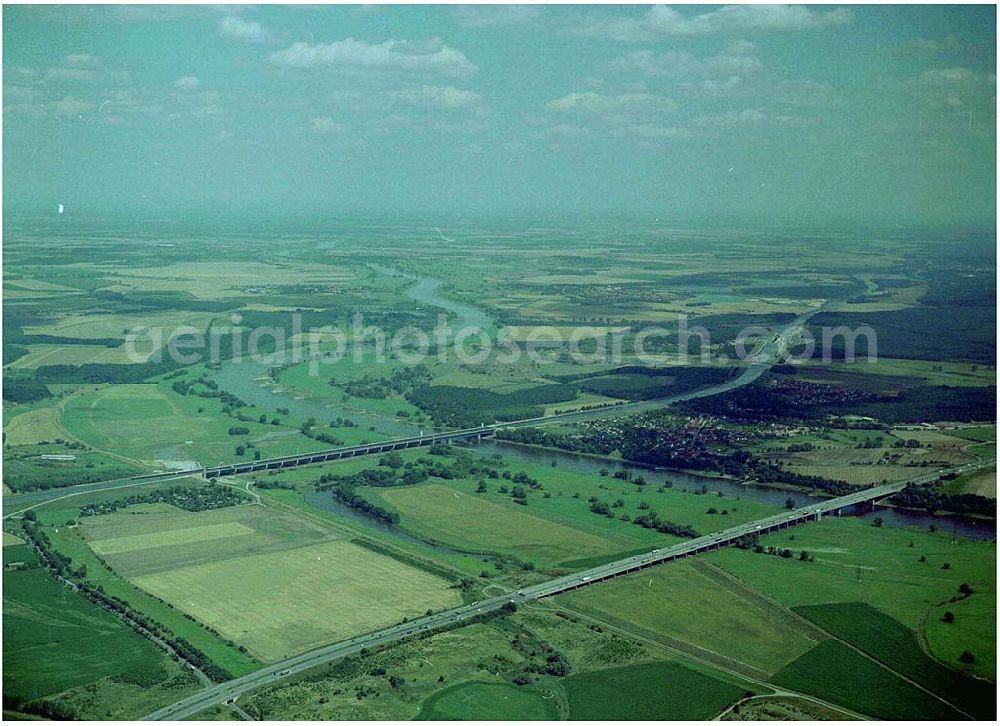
<point x="325" y="125"/>
<point x="930" y="45"/>
<point x="70" y="74"/>
<point x="738" y="58"/>
<point x="70" y="106"/>
<point x="955" y="77"/>
<point x="430" y="56"/>
<point x="663" y="20"/>
<point x="188" y="83"/>
<point x="249" y="31"/>
<point x="488" y="16"/>
<point x="81" y="59"/>
<point x="589" y="102"/>
<point x="748" y="118"/>
<point x="438" y="96"/>
<point x="651" y="131"/>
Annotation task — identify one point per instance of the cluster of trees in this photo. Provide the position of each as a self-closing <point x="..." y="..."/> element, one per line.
<point x="401" y="381"/>
<point x="943" y="331"/>
<point x="648" y="519"/>
<point x="24" y="391"/>
<point x="192" y="499"/>
<point x="556" y="440"/>
<point x="344" y="493"/>
<point x="931" y="498"/>
<point x="644" y="383"/>
<point x="651" y="520"/>
<point x="105" y="372"/>
<point x="461" y="407"/>
<point x="48" y="710"/>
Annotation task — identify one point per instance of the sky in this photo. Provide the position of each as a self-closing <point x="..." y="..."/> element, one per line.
<point x="858" y="114"/>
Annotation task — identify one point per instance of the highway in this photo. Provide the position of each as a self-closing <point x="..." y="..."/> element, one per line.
<point x="236" y="687"/>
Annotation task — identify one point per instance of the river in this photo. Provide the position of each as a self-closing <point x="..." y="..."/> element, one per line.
<point x="248" y="380"/>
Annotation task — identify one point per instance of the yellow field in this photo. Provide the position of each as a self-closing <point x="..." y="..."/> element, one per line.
<point x="469" y="522"/>
<point x="281" y="603"/>
<point x="182" y="539"/>
<point x="132" y="543"/>
<point x="45" y="355"/>
<point x="214" y="280"/>
<point x="113" y="326"/>
<point x="31" y="427"/>
<point x="9" y="539"/>
<point x="544" y="333"/>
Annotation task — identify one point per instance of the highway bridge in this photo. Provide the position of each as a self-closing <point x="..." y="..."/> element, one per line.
<point x="346" y="452"/>
<point x="233" y="689"/>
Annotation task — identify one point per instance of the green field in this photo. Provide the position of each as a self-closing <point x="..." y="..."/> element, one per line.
<point x="889" y="642"/>
<point x="488" y="702"/>
<point x="892" y="578"/>
<point x="838" y="674"/>
<point x="651" y="692"/>
<point x="150" y="421"/>
<point x="442" y="514"/>
<point x="691" y="607"/>
<point x="55" y="640"/>
<point x="556" y="527"/>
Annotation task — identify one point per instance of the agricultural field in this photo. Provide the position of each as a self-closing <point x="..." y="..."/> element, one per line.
<point x="57" y="645"/>
<point x="281" y="603"/>
<point x="273" y="583"/>
<point x="34" y="427"/>
<point x="867" y="458"/>
<point x="695" y="608"/>
<point x="896" y="647"/>
<point x="440" y="513"/>
<point x="908" y="575"/>
<point x="557" y="525"/>
<point x="838" y="674"/>
<point x="654" y="691"/>
<point x="151" y="422"/>
<point x="149" y="538"/>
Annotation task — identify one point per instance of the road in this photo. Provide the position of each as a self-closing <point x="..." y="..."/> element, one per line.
<point x="763" y="358"/>
<point x="19" y="503"/>
<point x="234" y="688"/>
